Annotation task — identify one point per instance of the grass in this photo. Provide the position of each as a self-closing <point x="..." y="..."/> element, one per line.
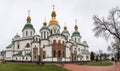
<point x="100" y="63"/>
<point x="29" y="67"/>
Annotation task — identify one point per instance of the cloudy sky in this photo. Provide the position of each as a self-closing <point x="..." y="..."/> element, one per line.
<point x="13" y="15"/>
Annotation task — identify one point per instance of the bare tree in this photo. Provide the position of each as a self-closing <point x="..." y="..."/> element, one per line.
<point x="109" y="26"/>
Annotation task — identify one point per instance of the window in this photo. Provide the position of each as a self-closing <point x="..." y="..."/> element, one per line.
<point x="43" y="46"/>
<point x="18" y="46"/>
<point x="44" y="35"/>
<point x="26" y="33"/>
<point x="63" y="42"/>
<point x="16" y="58"/>
<point x="75" y="39"/>
<point x="54" y="53"/>
<point x="43" y="56"/>
<point x="59" y="53"/>
<point x="36" y="39"/>
<point x="34" y="57"/>
<point x="27" y="45"/>
<point x="22" y="57"/>
<point x="54" y="41"/>
<point x="31" y="33"/>
<point x="26" y="58"/>
<point x="51" y="32"/>
<point x="59" y="41"/>
<point x="78" y="49"/>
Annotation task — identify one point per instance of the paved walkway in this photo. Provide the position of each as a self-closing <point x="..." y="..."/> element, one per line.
<point x="74" y="67"/>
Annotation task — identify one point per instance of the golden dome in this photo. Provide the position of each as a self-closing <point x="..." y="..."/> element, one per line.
<point x="53" y="21"/>
<point x="53" y="15"/>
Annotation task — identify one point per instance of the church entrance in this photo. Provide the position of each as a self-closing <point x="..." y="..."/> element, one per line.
<point x="58" y="50"/>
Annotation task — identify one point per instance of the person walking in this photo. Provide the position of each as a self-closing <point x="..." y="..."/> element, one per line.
<point x="115" y="61"/>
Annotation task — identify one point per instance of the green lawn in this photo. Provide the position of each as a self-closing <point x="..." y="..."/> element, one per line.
<point x="100" y="63"/>
<point x="29" y="67"/>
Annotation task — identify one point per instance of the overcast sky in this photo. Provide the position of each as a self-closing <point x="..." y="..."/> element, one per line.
<point x="13" y="14"/>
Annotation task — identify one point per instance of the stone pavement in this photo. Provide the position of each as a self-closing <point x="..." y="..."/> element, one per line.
<point x="75" y="67"/>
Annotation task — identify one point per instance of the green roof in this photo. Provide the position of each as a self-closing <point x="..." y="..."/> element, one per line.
<point x="28" y="54"/>
<point x="9" y="46"/>
<point x="17" y="54"/>
<point x="65" y="31"/>
<point x="45" y="27"/>
<point x="28" y="25"/>
<point x="76" y="33"/>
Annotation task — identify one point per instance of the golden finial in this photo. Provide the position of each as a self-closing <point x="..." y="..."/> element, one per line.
<point x="76" y="27"/>
<point x="28" y="12"/>
<point x="53" y="6"/>
<point x="28" y="18"/>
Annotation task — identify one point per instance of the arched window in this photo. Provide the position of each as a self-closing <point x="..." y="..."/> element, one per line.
<point x="78" y="49"/>
<point x="44" y="35"/>
<point x="51" y="32"/>
<point x="54" y="41"/>
<point x="26" y="33"/>
<point x="35" y="57"/>
<point x="36" y="39"/>
<point x="75" y="39"/>
<point x="63" y="42"/>
<point x="59" y="41"/>
<point x="59" y="53"/>
<point x="26" y="58"/>
<point x="18" y="46"/>
<point x="54" y="53"/>
<point x="43" y="56"/>
<point x="27" y="45"/>
<point x="31" y="33"/>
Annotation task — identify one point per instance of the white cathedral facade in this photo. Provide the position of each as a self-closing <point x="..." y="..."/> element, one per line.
<point x="50" y="45"/>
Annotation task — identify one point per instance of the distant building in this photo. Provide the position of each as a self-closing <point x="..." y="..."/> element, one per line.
<point x="50" y="45"/>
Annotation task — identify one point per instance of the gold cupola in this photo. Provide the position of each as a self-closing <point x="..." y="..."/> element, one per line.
<point x="53" y="19"/>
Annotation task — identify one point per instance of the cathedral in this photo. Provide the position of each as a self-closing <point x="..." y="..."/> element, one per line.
<point x="50" y="45"/>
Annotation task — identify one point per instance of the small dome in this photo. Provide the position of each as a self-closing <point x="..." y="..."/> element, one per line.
<point x="45" y="23"/>
<point x="45" y="27"/>
<point x="28" y="25"/>
<point x="76" y="33"/>
<point x="65" y="31"/>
